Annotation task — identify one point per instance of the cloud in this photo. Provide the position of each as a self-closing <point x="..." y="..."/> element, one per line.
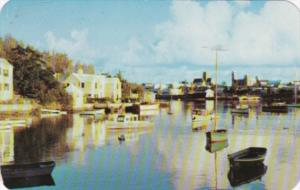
<point x="2" y="4"/>
<point x="265" y="37"/>
<point x="76" y="46"/>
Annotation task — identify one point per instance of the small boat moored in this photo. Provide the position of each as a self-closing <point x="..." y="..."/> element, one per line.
<point x="217" y="146"/>
<point x="240" y="109"/>
<point x="27" y="170"/>
<point x="126" y="121"/>
<point x="248" y="156"/>
<point x="249" y="99"/>
<point x="93" y="113"/>
<point x="200" y="118"/>
<point x="278" y="107"/>
<point x="121" y="138"/>
<point x="218" y="135"/>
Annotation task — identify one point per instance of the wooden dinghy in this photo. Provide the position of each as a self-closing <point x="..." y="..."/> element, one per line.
<point x="248" y="156"/>
<point x="27" y="170"/>
<point x="242" y="175"/>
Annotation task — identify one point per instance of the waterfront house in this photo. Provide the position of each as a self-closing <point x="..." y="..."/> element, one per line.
<point x="92" y="86"/>
<point x="113" y="89"/>
<point x="6" y="80"/>
<point x="77" y="97"/>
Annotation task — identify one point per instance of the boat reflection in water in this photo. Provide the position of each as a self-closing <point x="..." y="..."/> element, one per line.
<point x="214" y="147"/>
<point x="28" y="175"/>
<point x="13" y="183"/>
<point x="247" y="165"/>
<point x="246" y="173"/>
<point x="217" y="146"/>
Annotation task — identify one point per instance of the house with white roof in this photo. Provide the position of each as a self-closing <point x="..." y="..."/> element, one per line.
<point x="92" y="86"/>
<point x="6" y="80"/>
<point x="77" y="96"/>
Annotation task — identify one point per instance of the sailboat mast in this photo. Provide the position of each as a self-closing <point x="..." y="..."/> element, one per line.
<point x="216" y="88"/>
<point x="295" y="92"/>
<point x="216" y="171"/>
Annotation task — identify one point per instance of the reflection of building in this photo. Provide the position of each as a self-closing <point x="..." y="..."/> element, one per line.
<point x="77" y="96"/>
<point x="6" y="146"/>
<point x="113" y="88"/>
<point x="6" y="80"/>
<point x="85" y="131"/>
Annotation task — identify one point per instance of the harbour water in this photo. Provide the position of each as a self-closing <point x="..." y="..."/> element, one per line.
<point x="168" y="156"/>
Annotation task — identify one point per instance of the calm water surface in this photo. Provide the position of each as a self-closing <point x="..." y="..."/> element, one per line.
<point x="170" y="156"/>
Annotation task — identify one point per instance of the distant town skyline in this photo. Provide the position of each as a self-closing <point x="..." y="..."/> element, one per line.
<point x="162" y="41"/>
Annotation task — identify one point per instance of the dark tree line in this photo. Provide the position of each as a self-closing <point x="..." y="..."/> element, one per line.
<point x="34" y="71"/>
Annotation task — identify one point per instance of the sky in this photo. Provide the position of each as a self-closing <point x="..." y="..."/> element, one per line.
<point x="164" y="41"/>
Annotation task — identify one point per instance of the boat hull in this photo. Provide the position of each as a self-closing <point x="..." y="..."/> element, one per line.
<point x="275" y="109"/>
<point x="294" y="105"/>
<point x="248" y="156"/>
<point x="241" y="175"/>
<point x="217" y="146"/>
<point x="240" y="111"/>
<point x="13" y="183"/>
<point x="27" y="170"/>
<point x="216" y="136"/>
<point x="127" y="126"/>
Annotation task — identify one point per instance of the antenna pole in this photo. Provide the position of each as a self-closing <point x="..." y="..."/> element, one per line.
<point x="216" y="88"/>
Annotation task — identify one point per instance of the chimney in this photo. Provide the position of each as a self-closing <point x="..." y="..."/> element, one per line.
<point x="80" y="70"/>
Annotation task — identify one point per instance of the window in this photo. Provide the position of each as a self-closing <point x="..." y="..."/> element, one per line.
<point x="0" y="71"/>
<point x="82" y="85"/>
<point x="120" y="118"/>
<point x="5" y="72"/>
<point x="6" y="86"/>
<point x="0" y="86"/>
<point x="96" y="85"/>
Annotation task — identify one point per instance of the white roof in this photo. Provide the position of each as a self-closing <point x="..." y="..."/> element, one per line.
<point x="87" y="77"/>
<point x="73" y="89"/>
<point x="112" y="79"/>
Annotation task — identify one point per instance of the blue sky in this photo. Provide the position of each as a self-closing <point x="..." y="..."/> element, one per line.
<point x="162" y="41"/>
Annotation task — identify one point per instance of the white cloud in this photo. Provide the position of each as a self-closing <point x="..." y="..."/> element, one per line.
<point x="76" y="46"/>
<point x="2" y="3"/>
<point x="266" y="37"/>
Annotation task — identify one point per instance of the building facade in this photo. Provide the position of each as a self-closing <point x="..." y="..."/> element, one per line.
<point x="6" y="80"/>
<point x="113" y="90"/>
<point x="92" y="86"/>
<point x="95" y="86"/>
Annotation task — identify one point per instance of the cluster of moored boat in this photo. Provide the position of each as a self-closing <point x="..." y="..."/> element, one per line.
<point x="246" y="165"/>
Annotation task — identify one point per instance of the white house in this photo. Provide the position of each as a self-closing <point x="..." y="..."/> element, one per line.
<point x="113" y="88"/>
<point x="92" y="86"/>
<point x="6" y="80"/>
<point x="77" y="96"/>
<point x="209" y="93"/>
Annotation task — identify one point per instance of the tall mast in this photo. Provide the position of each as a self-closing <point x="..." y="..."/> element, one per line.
<point x="216" y="88"/>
